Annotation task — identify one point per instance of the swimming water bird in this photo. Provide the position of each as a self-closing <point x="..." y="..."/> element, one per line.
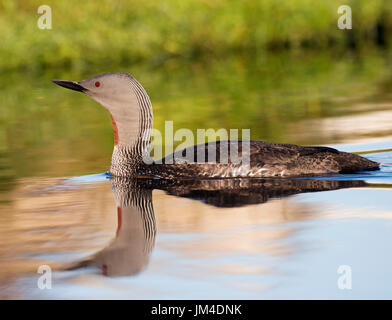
<point x="132" y="117"/>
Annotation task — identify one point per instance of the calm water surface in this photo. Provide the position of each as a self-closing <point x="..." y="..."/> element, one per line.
<point x="56" y="209"/>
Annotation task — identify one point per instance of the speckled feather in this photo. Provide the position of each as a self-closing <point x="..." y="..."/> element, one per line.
<point x="266" y="160"/>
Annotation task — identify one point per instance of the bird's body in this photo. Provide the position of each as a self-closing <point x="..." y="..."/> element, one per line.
<point x="131" y="112"/>
<point x="266" y="160"/>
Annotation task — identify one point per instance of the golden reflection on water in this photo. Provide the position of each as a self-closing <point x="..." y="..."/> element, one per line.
<point x="375" y="123"/>
<point x="68" y="224"/>
<point x="44" y="217"/>
<point x="233" y="225"/>
<point x="50" y="221"/>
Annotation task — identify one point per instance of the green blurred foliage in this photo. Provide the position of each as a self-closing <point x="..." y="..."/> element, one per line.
<point x="205" y="64"/>
<point x="46" y="130"/>
<point x="87" y="33"/>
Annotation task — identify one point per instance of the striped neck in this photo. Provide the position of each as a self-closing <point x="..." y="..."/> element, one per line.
<point x="135" y="198"/>
<point x="132" y="127"/>
<point x="129" y="252"/>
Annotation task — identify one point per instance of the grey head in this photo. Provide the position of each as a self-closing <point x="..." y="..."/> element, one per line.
<point x="130" y="109"/>
<point x="112" y="90"/>
<point x="121" y="94"/>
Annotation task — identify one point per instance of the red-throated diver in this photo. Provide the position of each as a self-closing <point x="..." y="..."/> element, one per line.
<point x="131" y="112"/>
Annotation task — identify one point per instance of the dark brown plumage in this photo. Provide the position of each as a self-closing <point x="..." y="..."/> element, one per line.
<point x="266" y="160"/>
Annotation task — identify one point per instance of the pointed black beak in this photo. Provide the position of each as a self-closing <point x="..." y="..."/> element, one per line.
<point x="73" y="85"/>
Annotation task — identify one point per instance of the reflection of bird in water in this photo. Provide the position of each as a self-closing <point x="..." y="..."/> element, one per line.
<point x="129" y="252"/>
<point x="239" y="192"/>
<point x="131" y="112"/>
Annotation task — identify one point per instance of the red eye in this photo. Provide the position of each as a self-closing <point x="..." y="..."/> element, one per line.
<point x="97" y="84"/>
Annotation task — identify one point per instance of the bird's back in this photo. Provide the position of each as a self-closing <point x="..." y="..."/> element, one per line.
<point x="263" y="160"/>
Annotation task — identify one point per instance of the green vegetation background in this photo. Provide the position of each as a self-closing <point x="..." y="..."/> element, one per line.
<point x="265" y="65"/>
<point x="96" y="32"/>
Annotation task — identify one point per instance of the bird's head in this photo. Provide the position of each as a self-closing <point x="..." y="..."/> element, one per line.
<point x="124" y="97"/>
<point x="114" y="91"/>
